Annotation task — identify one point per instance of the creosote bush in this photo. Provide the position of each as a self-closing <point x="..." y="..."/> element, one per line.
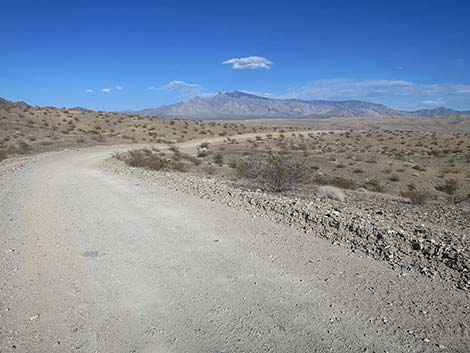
<point x="276" y="173"/>
<point x="449" y="187"/>
<point x="150" y="160"/>
<point x="374" y="185"/>
<point x="219" y="159"/>
<point x="340" y="182"/>
<point x="23" y="147"/>
<point x="416" y="197"/>
<point x="279" y="174"/>
<point x="3" y="154"/>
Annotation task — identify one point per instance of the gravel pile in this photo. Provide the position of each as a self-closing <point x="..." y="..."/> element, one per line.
<point x="403" y="242"/>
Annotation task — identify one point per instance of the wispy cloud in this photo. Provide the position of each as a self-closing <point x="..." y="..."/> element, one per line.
<point x="89" y="90"/>
<point x="249" y="63"/>
<point x="181" y="85"/>
<point x="184" y="89"/>
<point x="118" y="88"/>
<point x="382" y="91"/>
<point x="434" y="101"/>
<point x="106" y="90"/>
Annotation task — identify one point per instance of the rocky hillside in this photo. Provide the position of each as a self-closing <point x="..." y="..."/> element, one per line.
<point x="241" y="105"/>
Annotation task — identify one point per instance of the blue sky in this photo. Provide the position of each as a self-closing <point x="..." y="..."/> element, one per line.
<point x="116" y="55"/>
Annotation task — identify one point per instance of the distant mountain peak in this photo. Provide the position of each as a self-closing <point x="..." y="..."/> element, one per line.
<point x="238" y="94"/>
<point x="4" y="103"/>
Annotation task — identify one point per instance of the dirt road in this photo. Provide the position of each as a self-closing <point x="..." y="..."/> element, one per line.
<point x="93" y="262"/>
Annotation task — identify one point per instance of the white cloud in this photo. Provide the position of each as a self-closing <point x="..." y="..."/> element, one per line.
<point x="119" y="88"/>
<point x="180" y="85"/>
<point x="182" y="88"/>
<point x="437" y="101"/>
<point x="106" y="90"/>
<point x="89" y="90"/>
<point x="249" y="63"/>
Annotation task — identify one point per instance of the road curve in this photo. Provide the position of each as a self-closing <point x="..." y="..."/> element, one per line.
<point x="93" y="262"/>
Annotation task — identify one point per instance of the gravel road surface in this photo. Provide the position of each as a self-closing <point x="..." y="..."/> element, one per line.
<point x="96" y="262"/>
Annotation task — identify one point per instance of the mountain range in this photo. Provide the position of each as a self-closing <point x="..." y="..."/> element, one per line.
<point x="6" y="103"/>
<point x="241" y="105"/>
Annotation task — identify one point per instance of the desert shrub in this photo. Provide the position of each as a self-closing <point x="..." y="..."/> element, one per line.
<point x="23" y="147"/>
<point x="98" y="138"/>
<point x="374" y="185"/>
<point x="244" y="168"/>
<point x="450" y="186"/>
<point x="209" y="169"/>
<point x="219" y="159"/>
<point x="419" y="168"/>
<point x="149" y="160"/>
<point x="457" y="199"/>
<point x="394" y="177"/>
<point x="3" y="154"/>
<point x="232" y="163"/>
<point x="173" y="148"/>
<point x="143" y="159"/>
<point x="276" y="173"/>
<point x="202" y="153"/>
<point x="188" y="157"/>
<point x="179" y="166"/>
<point x="417" y="197"/>
<point x="340" y="182"/>
<point x="331" y="192"/>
